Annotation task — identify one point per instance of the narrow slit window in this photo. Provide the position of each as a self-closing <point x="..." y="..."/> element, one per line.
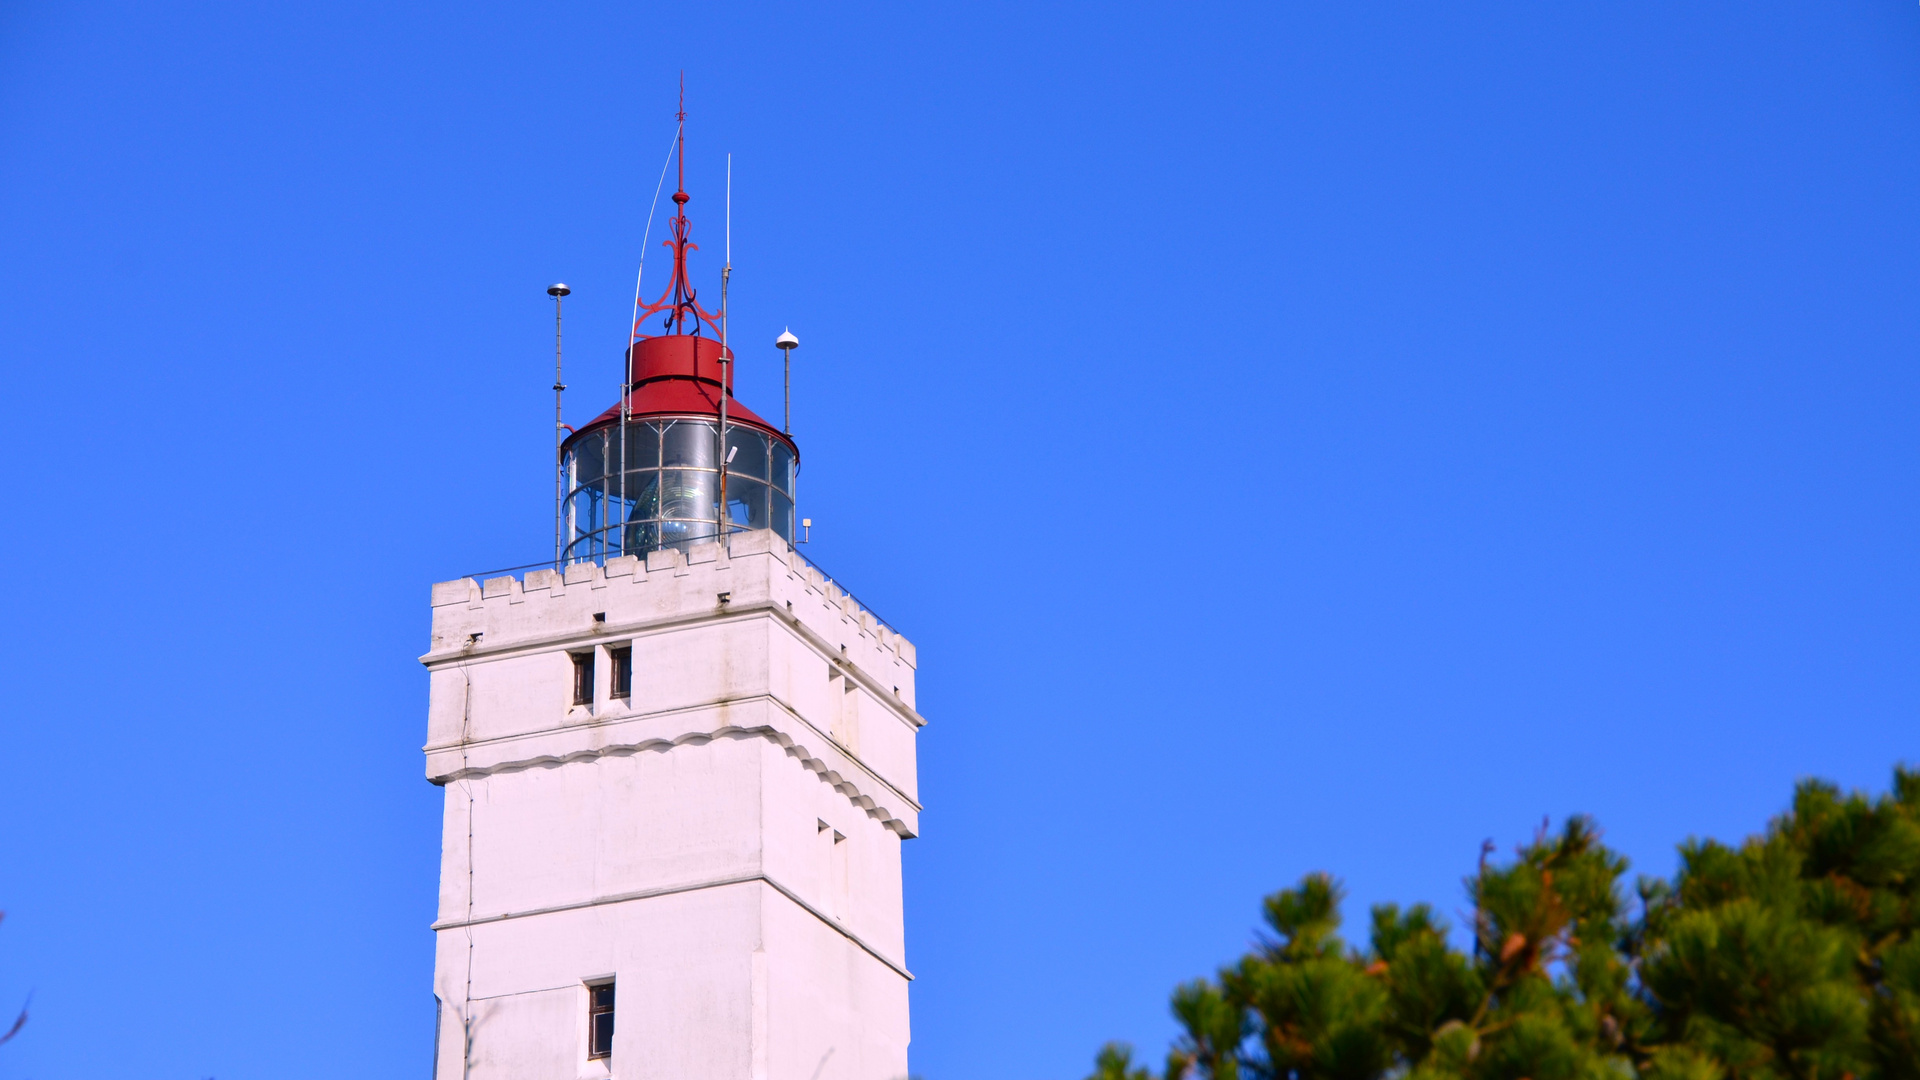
<point x="582" y="678"/>
<point x="838" y="880"/>
<point x="621" y="660"/>
<point x="600" y="1020"/>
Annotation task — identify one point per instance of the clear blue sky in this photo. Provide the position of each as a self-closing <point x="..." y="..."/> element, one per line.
<point x="1296" y="436"/>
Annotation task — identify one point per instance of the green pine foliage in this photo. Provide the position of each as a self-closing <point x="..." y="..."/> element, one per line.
<point x="1793" y="956"/>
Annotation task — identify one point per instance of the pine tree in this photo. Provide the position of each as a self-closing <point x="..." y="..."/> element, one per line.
<point x="1791" y="957"/>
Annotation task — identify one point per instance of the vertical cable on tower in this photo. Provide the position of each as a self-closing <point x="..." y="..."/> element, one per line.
<point x="558" y="290"/>
<point x="726" y="276"/>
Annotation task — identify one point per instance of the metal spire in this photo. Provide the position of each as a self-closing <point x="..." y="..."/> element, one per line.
<point x="680" y="300"/>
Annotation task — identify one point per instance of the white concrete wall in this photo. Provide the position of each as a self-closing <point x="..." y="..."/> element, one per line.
<point x="725" y="843"/>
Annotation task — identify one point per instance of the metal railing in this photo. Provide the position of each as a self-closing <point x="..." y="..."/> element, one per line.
<point x="857" y="602"/>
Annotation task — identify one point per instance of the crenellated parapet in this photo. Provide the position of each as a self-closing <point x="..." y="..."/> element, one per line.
<point x="749" y="643"/>
<point x="759" y="568"/>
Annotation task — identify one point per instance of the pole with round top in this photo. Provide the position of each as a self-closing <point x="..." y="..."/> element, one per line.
<point x="787" y="343"/>
<point x="558" y="290"/>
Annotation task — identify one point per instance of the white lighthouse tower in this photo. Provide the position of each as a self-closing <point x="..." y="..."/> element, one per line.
<point x="678" y="765"/>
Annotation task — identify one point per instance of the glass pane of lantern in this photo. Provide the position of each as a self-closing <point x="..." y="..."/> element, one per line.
<point x="687" y="494"/>
<point x="782" y="467"/>
<point x="589" y="461"/>
<point x="783" y="516"/>
<point x="643" y="491"/>
<point x="643" y="445"/>
<point x="688" y="442"/>
<point x="746" y="502"/>
<point x="642" y="537"/>
<point x="749" y="449"/>
<point x="584" y="511"/>
<point x="681" y="533"/>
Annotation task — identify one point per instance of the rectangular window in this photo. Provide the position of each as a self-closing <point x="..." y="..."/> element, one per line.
<point x="621" y="657"/>
<point x="600" y="1020"/>
<point x="582" y="678"/>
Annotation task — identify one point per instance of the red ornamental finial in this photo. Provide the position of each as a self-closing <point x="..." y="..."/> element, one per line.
<point x="679" y="299"/>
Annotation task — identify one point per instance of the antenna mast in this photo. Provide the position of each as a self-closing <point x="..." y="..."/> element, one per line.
<point x="786" y="343"/>
<point x="558" y="291"/>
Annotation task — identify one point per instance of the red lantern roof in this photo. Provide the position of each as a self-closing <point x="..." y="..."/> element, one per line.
<point x="680" y="375"/>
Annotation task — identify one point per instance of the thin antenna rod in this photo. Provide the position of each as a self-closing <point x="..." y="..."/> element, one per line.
<point x="726" y="275"/>
<point x="681" y="115"/>
<point x="558" y="291"/>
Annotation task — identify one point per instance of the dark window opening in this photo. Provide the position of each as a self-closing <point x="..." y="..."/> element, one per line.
<point x="622" y="659"/>
<point x="600" y="1021"/>
<point x="582" y="678"/>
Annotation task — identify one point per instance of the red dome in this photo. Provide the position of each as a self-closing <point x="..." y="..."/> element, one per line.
<point x="679" y="375"/>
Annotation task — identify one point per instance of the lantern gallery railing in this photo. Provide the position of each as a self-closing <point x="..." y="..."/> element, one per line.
<point x="668" y="493"/>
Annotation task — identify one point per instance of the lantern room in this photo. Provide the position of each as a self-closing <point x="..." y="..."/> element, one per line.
<point x="677" y="460"/>
<point x="653" y="471"/>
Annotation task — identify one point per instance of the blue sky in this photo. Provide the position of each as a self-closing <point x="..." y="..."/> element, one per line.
<point x="1297" y="437"/>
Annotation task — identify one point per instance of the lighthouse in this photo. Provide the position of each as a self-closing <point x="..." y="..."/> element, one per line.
<point x="678" y="763"/>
